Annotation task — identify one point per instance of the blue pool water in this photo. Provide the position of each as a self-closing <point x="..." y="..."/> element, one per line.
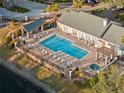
<point x="57" y="43"/>
<point x="95" y="67"/>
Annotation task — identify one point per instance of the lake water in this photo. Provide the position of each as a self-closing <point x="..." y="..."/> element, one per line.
<point x="12" y="83"/>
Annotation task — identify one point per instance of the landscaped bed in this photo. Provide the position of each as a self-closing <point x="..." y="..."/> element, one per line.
<point x="97" y="11"/>
<point x="1" y="5"/>
<point x="19" y="9"/>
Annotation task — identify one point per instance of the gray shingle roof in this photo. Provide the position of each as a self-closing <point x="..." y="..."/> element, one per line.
<point x="33" y="25"/>
<point x="84" y="22"/>
<point x="114" y="34"/>
<point x="93" y="25"/>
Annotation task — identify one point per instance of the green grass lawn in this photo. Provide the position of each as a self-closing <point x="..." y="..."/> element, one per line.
<point x="55" y="82"/>
<point x="60" y="85"/>
<point x="70" y="88"/>
<point x="19" y="9"/>
<point x="5" y="51"/>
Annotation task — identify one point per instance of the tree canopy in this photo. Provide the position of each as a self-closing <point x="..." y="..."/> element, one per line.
<point x="77" y="3"/>
<point x="52" y="8"/>
<point x="108" y="82"/>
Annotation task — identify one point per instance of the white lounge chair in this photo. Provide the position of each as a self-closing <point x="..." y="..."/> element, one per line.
<point x="62" y="60"/>
<point x="58" y="58"/>
<point x="54" y="56"/>
<point x="43" y="50"/>
<point x="46" y="52"/>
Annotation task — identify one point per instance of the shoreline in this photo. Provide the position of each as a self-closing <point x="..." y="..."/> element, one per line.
<point x="15" y="83"/>
<point x="25" y="75"/>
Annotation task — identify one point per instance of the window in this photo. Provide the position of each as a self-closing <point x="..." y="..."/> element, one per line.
<point x="64" y="28"/>
<point x="74" y="32"/>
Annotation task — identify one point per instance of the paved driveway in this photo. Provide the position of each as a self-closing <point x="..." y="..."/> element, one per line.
<point x="35" y="9"/>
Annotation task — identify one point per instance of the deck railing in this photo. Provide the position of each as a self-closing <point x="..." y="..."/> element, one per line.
<point x="43" y="60"/>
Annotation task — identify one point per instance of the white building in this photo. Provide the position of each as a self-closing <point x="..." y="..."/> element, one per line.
<point x="99" y="31"/>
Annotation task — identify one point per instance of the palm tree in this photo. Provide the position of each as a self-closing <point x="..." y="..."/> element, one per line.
<point x="12" y="24"/>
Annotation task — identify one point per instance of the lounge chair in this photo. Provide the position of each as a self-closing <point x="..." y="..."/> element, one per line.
<point x="62" y="60"/>
<point x="47" y="33"/>
<point x="43" y="50"/>
<point x="64" y="56"/>
<point x="39" y="37"/>
<point x="50" y="53"/>
<point x="71" y="58"/>
<point x="60" y="54"/>
<point x="54" y="56"/>
<point x="58" y="58"/>
<point x="46" y="52"/>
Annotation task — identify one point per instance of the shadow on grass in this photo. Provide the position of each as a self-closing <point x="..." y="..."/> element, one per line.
<point x="55" y="82"/>
<point x="5" y="51"/>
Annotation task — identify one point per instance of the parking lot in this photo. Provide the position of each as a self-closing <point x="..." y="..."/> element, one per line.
<point x="36" y="9"/>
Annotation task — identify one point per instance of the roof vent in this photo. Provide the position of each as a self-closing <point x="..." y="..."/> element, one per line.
<point x="105" y="22"/>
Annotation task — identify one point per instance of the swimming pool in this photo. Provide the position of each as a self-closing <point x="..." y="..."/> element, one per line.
<point x="57" y="43"/>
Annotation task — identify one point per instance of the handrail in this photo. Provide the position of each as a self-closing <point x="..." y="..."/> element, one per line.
<point x="42" y="59"/>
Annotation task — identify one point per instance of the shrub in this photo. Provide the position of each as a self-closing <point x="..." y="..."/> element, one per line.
<point x="11" y="45"/>
<point x="8" y="39"/>
<point x="98" y="11"/>
<point x="93" y="81"/>
<point x="18" y="32"/>
<point x="120" y="16"/>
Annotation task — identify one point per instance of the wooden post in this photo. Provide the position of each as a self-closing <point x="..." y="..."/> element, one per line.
<point x="106" y="60"/>
<point x="22" y="30"/>
<point x="15" y="44"/>
<point x="13" y="36"/>
<point x="1" y="19"/>
<point x="27" y="35"/>
<point x="111" y="57"/>
<point x="42" y="28"/>
<point x="70" y="74"/>
<point x="97" y="56"/>
<point x="26" y="18"/>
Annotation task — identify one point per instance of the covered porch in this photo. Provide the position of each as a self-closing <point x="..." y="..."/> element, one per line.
<point x="105" y="54"/>
<point x="33" y="27"/>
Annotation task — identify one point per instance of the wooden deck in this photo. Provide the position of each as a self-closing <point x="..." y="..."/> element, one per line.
<point x="90" y="58"/>
<point x="36" y="50"/>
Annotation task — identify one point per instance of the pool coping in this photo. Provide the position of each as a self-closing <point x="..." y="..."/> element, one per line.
<point x="73" y="43"/>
